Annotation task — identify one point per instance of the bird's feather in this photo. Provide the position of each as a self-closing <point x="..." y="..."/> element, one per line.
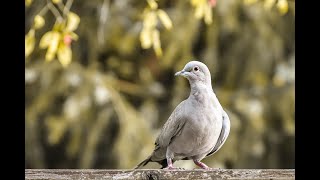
<point x="223" y="134"/>
<point x="172" y="127"/>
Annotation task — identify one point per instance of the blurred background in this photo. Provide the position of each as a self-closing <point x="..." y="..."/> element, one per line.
<point x="99" y="78"/>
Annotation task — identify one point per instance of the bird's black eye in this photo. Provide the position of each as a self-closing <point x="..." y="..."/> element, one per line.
<point x="196" y="68"/>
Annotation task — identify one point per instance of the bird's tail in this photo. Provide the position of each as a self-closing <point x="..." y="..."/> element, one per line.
<point x="143" y="163"/>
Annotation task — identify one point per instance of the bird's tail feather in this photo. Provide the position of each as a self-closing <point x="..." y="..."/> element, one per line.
<point x="144" y="162"/>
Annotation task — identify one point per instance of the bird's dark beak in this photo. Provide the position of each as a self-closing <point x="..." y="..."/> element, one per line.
<point x="180" y="73"/>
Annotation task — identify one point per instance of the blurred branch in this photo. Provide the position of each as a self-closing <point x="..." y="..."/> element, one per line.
<point x="67" y="7"/>
<point x="104" y="11"/>
<point x="43" y="10"/>
<point x="54" y="11"/>
<point x="129" y="88"/>
<point x="94" y="136"/>
<point x="60" y="6"/>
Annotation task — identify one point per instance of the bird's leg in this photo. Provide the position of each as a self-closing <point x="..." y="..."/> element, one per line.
<point x="170" y="165"/>
<point x="169" y="156"/>
<point x="202" y="165"/>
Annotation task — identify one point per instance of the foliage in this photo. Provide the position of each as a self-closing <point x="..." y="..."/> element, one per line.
<point x="203" y="9"/>
<point x="149" y="35"/>
<point x="58" y="40"/>
<point x="282" y="5"/>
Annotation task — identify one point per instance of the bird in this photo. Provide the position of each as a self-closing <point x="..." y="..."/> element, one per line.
<point x="198" y="126"/>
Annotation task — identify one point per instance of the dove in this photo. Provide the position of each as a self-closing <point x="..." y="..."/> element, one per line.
<point x="198" y="126"/>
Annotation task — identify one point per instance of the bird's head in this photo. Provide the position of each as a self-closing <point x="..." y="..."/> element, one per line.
<point x="195" y="71"/>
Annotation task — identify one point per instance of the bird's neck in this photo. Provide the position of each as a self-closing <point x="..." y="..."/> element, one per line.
<point x="200" y="88"/>
<point x="204" y="94"/>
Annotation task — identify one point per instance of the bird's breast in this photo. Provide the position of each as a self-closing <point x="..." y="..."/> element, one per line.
<point x="201" y="131"/>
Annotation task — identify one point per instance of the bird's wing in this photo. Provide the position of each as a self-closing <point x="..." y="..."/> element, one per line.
<point x="223" y="134"/>
<point x="172" y="127"/>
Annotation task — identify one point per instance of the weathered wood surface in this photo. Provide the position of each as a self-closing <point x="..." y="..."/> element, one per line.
<point x="154" y="174"/>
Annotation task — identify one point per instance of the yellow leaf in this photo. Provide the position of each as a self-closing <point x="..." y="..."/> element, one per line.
<point x="53" y="45"/>
<point x="28" y="2"/>
<point x="207" y="14"/>
<point x="249" y="2"/>
<point x="150" y="20"/>
<point x="56" y="129"/>
<point x="153" y="4"/>
<point x="268" y="4"/>
<point x="59" y="26"/>
<point x="74" y="36"/>
<point x="197" y="2"/>
<point x="45" y="40"/>
<point x="56" y="1"/>
<point x="282" y="6"/>
<point x="64" y="54"/>
<point x="38" y="22"/>
<point x="156" y="43"/>
<point x="199" y="11"/>
<point x="164" y="18"/>
<point x="29" y="42"/>
<point x="73" y="21"/>
<point x="145" y="38"/>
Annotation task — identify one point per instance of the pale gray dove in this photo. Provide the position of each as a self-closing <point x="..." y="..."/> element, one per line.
<point x="198" y="126"/>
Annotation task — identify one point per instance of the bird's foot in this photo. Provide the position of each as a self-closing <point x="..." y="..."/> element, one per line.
<point x="170" y="165"/>
<point x="203" y="165"/>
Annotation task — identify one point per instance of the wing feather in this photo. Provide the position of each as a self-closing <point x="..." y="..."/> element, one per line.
<point x="223" y="134"/>
<point x="172" y="127"/>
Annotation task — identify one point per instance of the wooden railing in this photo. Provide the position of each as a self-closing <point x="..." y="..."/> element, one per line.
<point x="154" y="174"/>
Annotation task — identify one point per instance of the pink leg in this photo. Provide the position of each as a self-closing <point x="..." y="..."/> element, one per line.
<point x="170" y="165"/>
<point x="169" y="155"/>
<point x="202" y="165"/>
